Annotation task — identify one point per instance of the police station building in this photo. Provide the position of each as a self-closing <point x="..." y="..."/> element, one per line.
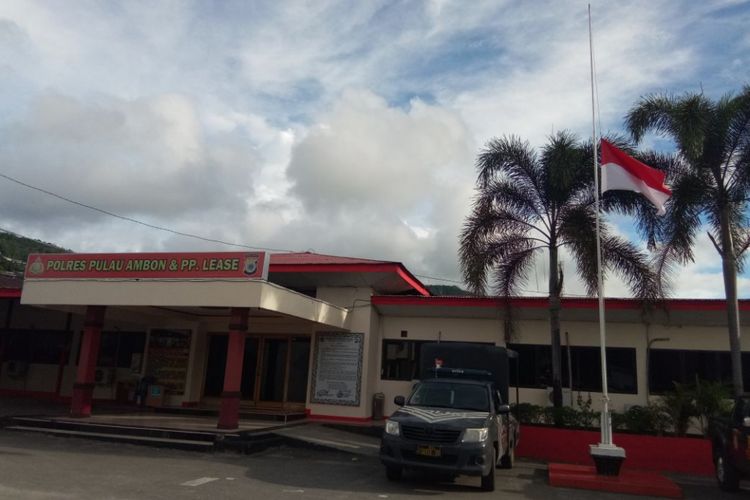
<point x="304" y="333"/>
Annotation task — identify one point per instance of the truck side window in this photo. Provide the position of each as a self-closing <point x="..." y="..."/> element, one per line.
<point x="497" y="400"/>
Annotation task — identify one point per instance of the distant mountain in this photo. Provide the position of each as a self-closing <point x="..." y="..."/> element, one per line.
<point x="14" y="249"/>
<point x="449" y="290"/>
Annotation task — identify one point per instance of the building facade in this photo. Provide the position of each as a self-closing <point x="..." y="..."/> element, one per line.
<point x="313" y="333"/>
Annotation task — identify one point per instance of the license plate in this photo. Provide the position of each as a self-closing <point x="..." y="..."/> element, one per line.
<point x="428" y="451"/>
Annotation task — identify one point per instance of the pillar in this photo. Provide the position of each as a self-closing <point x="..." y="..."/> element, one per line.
<point x="83" y="389"/>
<point x="229" y="412"/>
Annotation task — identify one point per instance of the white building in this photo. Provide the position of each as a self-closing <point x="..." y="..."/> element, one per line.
<point x="322" y="335"/>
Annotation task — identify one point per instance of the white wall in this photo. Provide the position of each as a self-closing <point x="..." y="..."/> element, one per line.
<point x="359" y="320"/>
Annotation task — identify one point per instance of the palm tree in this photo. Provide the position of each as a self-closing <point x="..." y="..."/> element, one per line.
<point x="527" y="203"/>
<point x="710" y="179"/>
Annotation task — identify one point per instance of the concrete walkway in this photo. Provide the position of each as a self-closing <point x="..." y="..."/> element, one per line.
<point x="317" y="434"/>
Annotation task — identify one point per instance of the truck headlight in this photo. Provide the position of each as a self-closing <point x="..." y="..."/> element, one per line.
<point x="475" y="435"/>
<point x="392" y="428"/>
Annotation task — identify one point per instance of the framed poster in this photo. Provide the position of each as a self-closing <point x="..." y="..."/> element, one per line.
<point x="167" y="360"/>
<point x="337" y="368"/>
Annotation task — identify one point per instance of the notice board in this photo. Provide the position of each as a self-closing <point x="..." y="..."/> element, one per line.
<point x="337" y="368"/>
<point x="168" y="356"/>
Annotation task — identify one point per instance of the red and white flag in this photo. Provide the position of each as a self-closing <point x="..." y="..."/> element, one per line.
<point x="621" y="171"/>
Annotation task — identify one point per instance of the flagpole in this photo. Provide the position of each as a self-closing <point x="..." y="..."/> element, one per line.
<point x="607" y="457"/>
<point x="606" y="429"/>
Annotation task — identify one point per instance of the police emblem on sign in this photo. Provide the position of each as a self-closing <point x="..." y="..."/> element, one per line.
<point x="251" y="265"/>
<point x="37" y="267"/>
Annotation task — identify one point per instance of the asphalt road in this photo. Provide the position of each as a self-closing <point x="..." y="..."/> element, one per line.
<point x="40" y="467"/>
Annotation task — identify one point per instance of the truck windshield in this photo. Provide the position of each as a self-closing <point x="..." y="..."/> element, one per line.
<point x="451" y="395"/>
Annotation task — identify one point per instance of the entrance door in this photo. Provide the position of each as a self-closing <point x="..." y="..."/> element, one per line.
<point x="299" y="363"/>
<point x="250" y="368"/>
<point x="274" y="370"/>
<point x="217" y="362"/>
<point x="283" y="377"/>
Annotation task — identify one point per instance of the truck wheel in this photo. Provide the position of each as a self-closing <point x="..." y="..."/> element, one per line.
<point x="506" y="461"/>
<point x="726" y="474"/>
<point x="393" y="473"/>
<point x="488" y="481"/>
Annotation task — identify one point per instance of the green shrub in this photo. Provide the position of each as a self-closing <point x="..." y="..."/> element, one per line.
<point x="679" y="406"/>
<point x="564" y="416"/>
<point x="527" y="413"/>
<point x="649" y="419"/>
<point x="586" y="416"/>
<point x="711" y="399"/>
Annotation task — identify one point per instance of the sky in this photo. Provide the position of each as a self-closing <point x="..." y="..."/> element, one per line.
<point x="344" y="128"/>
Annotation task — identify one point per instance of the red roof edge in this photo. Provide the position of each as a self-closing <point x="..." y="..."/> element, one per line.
<point x="393" y="267"/>
<point x="412" y="281"/>
<point x="542" y="302"/>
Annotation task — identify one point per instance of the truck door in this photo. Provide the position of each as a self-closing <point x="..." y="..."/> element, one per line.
<point x="502" y="427"/>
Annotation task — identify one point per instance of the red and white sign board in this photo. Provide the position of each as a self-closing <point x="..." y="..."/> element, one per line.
<point x="191" y="265"/>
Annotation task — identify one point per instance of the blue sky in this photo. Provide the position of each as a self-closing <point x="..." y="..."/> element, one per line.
<point x="339" y="127"/>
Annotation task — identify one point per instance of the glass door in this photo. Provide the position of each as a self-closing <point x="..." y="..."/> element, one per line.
<point x="215" y="366"/>
<point x="250" y="368"/>
<point x="299" y="364"/>
<point x="273" y="371"/>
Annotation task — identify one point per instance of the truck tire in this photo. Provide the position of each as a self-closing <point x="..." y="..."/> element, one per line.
<point x="488" y="481"/>
<point x="726" y="474"/>
<point x="506" y="461"/>
<point x="393" y="473"/>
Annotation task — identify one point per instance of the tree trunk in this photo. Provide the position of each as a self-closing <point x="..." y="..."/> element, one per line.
<point x="554" y="326"/>
<point x="729" y="267"/>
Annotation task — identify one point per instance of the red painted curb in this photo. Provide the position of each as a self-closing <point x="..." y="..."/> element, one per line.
<point x="650" y="453"/>
<point x="629" y="481"/>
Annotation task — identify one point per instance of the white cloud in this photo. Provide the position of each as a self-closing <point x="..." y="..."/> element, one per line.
<point x="368" y="167"/>
<point x="350" y="128"/>
<point x="147" y="157"/>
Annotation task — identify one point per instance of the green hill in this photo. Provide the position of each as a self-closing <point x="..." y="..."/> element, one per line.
<point x="15" y="248"/>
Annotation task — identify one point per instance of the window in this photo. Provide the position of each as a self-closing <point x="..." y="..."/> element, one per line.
<point x="117" y="349"/>
<point x="535" y="368"/>
<point x="451" y="395"/>
<point x="130" y="350"/>
<point x="667" y="366"/>
<point x="35" y="346"/>
<point x="400" y="359"/>
<point x="48" y="347"/>
<point x="17" y="345"/>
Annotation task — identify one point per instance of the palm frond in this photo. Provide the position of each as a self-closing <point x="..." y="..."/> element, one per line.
<point x="633" y="266"/>
<point x="505" y="194"/>
<point x="676" y="233"/>
<point x="742" y="243"/>
<point x="512" y="273"/>
<point x="578" y="232"/>
<point x="483" y="248"/>
<point x="508" y="156"/>
<point x="567" y="169"/>
<point x="684" y="118"/>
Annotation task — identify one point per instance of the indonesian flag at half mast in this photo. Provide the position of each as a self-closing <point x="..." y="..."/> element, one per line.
<point x="621" y="171"/>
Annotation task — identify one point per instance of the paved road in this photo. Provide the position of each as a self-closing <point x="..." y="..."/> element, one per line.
<point x="41" y="467"/>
